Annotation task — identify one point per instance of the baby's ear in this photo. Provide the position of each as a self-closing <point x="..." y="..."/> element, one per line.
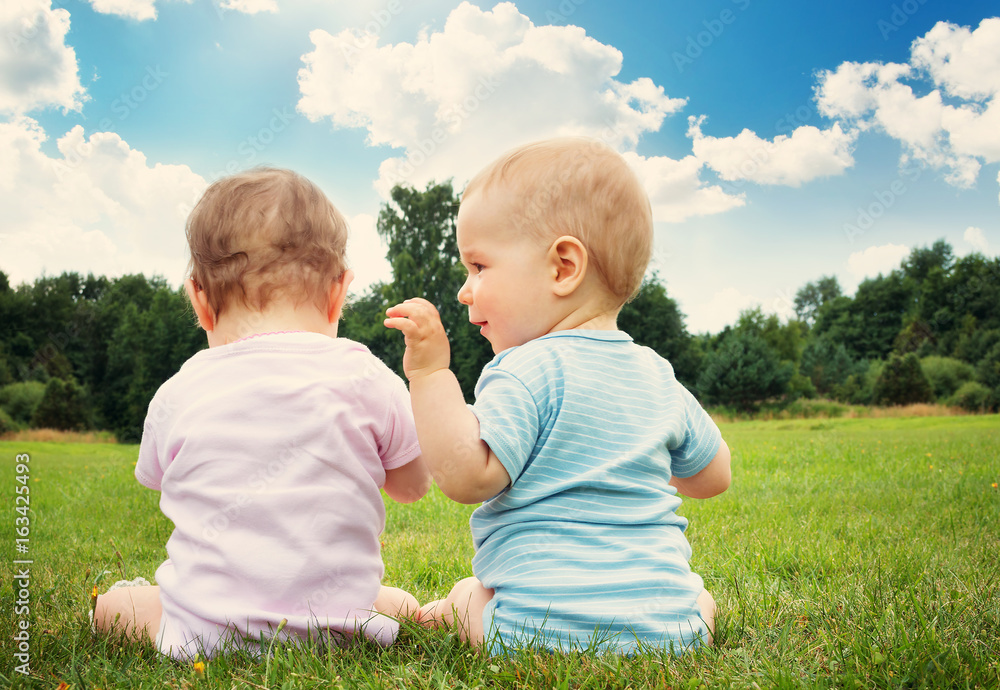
<point x="568" y="263"/>
<point x="200" y="304"/>
<point x="338" y="295"/>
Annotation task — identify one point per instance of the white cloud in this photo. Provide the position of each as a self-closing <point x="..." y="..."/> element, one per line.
<point x="250" y="6"/>
<point x="98" y="206"/>
<point x="37" y="68"/>
<point x="955" y="126"/>
<point x="366" y="253"/>
<point x="143" y="10"/>
<point x="140" y="10"/>
<point x="723" y="309"/>
<point x="490" y="80"/>
<point x="790" y="160"/>
<point x="675" y="189"/>
<point x="850" y="91"/>
<point x="977" y="238"/>
<point x="965" y="63"/>
<point x="875" y="260"/>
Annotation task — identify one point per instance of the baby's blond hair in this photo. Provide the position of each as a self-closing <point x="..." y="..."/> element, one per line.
<point x="582" y="188"/>
<point x="263" y="234"/>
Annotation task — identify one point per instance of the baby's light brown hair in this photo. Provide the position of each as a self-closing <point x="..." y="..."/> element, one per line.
<point x="582" y="188"/>
<point x="265" y="234"/>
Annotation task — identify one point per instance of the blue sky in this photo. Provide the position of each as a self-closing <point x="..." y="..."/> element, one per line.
<point x="779" y="141"/>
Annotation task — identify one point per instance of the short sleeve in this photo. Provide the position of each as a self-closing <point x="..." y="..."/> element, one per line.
<point x="701" y="442"/>
<point x="508" y="419"/>
<point x="398" y="443"/>
<point x="148" y="471"/>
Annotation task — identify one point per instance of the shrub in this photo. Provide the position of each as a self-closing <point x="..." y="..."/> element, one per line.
<point x="63" y="406"/>
<point x="972" y="396"/>
<point x="859" y="388"/>
<point x="743" y="372"/>
<point x="902" y="382"/>
<point x="801" y="387"/>
<point x="19" y="400"/>
<point x="6" y="423"/>
<point x="946" y="375"/>
<point x="827" y="364"/>
<point x="988" y="374"/>
<point x="811" y="409"/>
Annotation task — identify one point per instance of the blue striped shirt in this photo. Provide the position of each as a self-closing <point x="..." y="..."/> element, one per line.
<point x="585" y="548"/>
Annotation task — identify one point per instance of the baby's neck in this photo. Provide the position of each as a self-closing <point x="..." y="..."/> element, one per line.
<point x="602" y="322"/>
<point x="237" y="324"/>
<point x="589" y="308"/>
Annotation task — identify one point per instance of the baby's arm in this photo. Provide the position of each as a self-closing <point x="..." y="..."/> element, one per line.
<point x="408" y="483"/>
<point x="461" y="463"/>
<point x="711" y="481"/>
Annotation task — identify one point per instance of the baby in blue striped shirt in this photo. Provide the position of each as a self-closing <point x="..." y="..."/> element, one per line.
<point x="580" y="439"/>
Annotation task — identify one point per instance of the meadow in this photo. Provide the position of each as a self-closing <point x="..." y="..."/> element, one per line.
<point x="848" y="553"/>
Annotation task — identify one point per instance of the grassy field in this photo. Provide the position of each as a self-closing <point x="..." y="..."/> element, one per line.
<point x="848" y="553"/>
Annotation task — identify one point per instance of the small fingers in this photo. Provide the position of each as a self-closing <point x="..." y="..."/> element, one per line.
<point x="411" y="307"/>
<point x="400" y="323"/>
<point x="411" y="316"/>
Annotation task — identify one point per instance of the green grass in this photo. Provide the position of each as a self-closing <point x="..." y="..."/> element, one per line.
<point x="848" y="553"/>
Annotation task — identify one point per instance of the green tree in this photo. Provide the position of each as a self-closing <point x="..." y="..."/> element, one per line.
<point x="362" y="322"/>
<point x="5" y="369"/>
<point x="879" y="307"/>
<point x="966" y="314"/>
<point x="812" y="296"/>
<point x="653" y="319"/>
<point x="63" y="406"/>
<point x="924" y="261"/>
<point x="868" y="324"/>
<point x="787" y="340"/>
<point x="152" y="336"/>
<point x="988" y="374"/>
<point x="125" y="377"/>
<point x="828" y="364"/>
<point x="419" y="229"/>
<point x="902" y="382"/>
<point x="743" y="372"/>
<point x="98" y="332"/>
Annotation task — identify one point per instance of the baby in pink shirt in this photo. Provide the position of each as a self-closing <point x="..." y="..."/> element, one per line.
<point x="270" y="447"/>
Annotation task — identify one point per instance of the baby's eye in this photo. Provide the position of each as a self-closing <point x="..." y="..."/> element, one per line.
<point x="479" y="267"/>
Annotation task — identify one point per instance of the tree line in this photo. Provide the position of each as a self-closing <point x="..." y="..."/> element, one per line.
<point x="89" y="352"/>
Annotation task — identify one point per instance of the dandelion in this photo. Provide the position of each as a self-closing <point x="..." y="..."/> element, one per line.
<point x="199" y="669"/>
<point x="994" y="485"/>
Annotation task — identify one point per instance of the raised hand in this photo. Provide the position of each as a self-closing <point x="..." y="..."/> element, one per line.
<point x="427" y="348"/>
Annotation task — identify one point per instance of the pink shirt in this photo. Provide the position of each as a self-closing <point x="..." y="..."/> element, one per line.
<point x="269" y="454"/>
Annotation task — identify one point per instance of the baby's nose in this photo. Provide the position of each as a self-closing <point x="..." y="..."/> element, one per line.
<point x="465" y="293"/>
